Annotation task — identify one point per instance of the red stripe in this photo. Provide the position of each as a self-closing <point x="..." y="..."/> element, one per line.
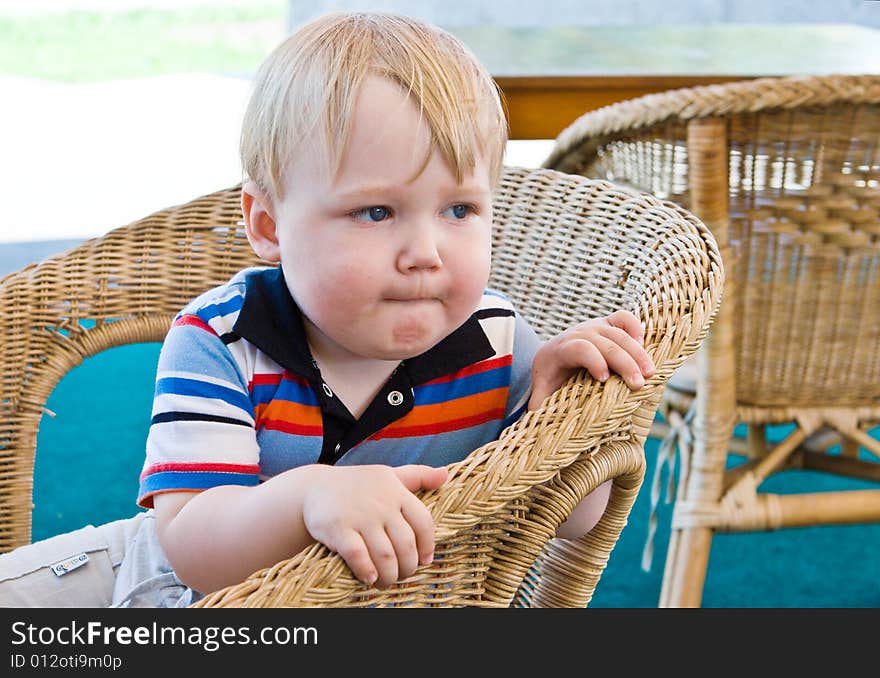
<point x="439" y="427"/>
<point x="215" y="467"/>
<point x="291" y="427"/>
<point x="483" y="366"/>
<point x="195" y="321"/>
<point x="264" y="380"/>
<point x="273" y="379"/>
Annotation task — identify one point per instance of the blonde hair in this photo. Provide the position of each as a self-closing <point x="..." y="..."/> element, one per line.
<point x="309" y="84"/>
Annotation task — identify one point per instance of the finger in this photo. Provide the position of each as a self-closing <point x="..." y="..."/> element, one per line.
<point x="584" y="353"/>
<point x="418" y="476"/>
<point x="402" y="538"/>
<point x="383" y="555"/>
<point x="421" y="522"/>
<point x="633" y="347"/>
<point x="353" y="550"/>
<point x="620" y="362"/>
<point x="628" y="323"/>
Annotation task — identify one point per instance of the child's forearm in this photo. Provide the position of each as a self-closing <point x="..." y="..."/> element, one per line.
<point x="586" y="514"/>
<point x="222" y="535"/>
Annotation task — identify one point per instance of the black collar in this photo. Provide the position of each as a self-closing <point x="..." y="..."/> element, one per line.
<point x="271" y="320"/>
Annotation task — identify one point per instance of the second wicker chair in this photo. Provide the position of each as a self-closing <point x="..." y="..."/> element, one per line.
<point x="786" y="172"/>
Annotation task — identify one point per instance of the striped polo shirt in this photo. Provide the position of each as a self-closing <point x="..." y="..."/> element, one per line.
<point x="239" y="398"/>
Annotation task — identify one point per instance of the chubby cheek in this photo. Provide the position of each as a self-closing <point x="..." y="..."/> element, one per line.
<point x="470" y="275"/>
<point x="328" y="292"/>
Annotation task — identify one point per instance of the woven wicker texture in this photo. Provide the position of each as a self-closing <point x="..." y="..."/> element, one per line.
<point x="786" y="172"/>
<point x="565" y="249"/>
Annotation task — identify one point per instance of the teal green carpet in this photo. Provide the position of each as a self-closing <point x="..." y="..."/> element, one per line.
<point x="91" y="452"/>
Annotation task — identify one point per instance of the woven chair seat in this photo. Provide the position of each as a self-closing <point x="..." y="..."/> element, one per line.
<point x="565" y="249"/>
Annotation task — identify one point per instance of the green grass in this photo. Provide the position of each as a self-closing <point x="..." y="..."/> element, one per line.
<point x="90" y="46"/>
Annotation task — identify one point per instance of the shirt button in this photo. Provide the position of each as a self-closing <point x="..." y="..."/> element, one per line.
<point x="395" y="398"/>
<point x="327" y="391"/>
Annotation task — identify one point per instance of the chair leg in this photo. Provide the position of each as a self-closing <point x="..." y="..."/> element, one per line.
<point x="687" y="561"/>
<point x="696" y="511"/>
<point x="690" y="539"/>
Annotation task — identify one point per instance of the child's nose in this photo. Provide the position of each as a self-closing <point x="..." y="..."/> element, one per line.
<point x="419" y="250"/>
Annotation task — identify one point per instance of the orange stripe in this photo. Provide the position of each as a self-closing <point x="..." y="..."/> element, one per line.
<point x="288" y="411"/>
<point x="460" y="408"/>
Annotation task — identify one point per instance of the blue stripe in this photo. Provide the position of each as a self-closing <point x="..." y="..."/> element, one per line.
<point x="493" y="293"/>
<point x="194" y="480"/>
<point x="211" y="311"/>
<point x="290" y="391"/>
<point x="190" y="387"/>
<point x="433" y="394"/>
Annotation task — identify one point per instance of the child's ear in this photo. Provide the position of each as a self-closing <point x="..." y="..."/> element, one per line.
<point x="259" y="222"/>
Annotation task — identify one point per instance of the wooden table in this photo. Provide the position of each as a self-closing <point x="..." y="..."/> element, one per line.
<point x="550" y="76"/>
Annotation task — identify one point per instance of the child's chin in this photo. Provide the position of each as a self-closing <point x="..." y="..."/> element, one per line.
<point x="409" y="346"/>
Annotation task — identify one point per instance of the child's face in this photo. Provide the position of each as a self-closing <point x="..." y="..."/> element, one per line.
<point x="384" y="261"/>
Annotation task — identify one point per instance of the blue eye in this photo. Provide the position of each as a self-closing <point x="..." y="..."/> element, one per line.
<point x="458" y="211"/>
<point x="375" y="213"/>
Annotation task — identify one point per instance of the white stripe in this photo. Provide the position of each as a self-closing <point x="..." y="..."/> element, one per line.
<point x="173" y="402"/>
<point x="196" y="376"/>
<point x="491" y="300"/>
<point x="243" y="352"/>
<point x="263" y="364"/>
<point x="500" y="332"/>
<point x="201" y="442"/>
<point x="222" y="324"/>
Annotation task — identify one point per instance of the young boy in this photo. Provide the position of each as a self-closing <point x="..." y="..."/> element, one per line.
<point x="310" y="401"/>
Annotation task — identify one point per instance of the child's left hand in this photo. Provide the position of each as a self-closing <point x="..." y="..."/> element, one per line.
<point x="601" y="345"/>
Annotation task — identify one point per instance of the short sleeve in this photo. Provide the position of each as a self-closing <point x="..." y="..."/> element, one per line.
<point x="525" y="345"/>
<point x="202" y="432"/>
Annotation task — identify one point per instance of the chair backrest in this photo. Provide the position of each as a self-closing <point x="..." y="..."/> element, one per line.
<point x="803" y="178"/>
<point x="565" y="249"/>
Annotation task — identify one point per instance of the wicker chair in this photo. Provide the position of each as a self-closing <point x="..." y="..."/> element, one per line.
<point x="786" y="173"/>
<point x="565" y="249"/>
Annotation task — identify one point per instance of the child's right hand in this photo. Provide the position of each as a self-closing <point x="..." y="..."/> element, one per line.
<point x="370" y="516"/>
